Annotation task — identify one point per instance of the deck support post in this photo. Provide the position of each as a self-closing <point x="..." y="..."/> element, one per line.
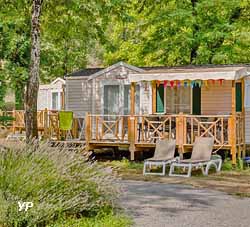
<point x="154" y="91"/>
<point x="131" y="122"/>
<point x="232" y="125"/>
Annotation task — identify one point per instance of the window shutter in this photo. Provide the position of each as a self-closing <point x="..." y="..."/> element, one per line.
<point x="238" y="97"/>
<point x="196" y="100"/>
<point x="160" y="99"/>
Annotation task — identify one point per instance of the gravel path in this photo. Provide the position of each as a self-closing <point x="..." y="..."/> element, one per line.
<point x="162" y="205"/>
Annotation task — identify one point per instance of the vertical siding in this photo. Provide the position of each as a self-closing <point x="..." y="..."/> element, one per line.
<point x="145" y="98"/>
<point x="78" y="96"/>
<point x="216" y="99"/>
<point x="42" y="99"/>
<point x="247" y="113"/>
<point x="247" y="126"/>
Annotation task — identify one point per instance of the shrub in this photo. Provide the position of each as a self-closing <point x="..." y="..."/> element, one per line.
<point x="6" y="120"/>
<point x="227" y="165"/>
<point x="58" y="182"/>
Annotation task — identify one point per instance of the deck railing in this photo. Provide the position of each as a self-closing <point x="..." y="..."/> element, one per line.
<point x="150" y="128"/>
<point x="108" y="128"/>
<point x="207" y="125"/>
<point x="48" y="124"/>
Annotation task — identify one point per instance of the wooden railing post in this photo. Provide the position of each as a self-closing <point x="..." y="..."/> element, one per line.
<point x="233" y="125"/>
<point x="131" y="122"/>
<point x="131" y="136"/>
<point x="14" y="121"/>
<point x="232" y="137"/>
<point x="45" y="122"/>
<point x="180" y="133"/>
<point x="87" y="130"/>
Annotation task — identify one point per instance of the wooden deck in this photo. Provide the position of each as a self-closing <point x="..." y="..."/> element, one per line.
<point x="140" y="132"/>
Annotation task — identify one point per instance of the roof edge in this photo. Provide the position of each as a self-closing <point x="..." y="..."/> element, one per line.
<point x="112" y="67"/>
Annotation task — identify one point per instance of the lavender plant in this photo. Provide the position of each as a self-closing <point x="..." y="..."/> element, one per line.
<point x="59" y="183"/>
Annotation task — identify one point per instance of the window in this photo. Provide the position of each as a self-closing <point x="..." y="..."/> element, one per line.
<point x="56" y="101"/>
<point x="178" y="100"/>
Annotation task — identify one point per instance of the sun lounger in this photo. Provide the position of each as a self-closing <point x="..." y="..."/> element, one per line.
<point x="201" y="158"/>
<point x="164" y="154"/>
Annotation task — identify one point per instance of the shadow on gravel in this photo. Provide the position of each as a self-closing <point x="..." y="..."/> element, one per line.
<point x="167" y="198"/>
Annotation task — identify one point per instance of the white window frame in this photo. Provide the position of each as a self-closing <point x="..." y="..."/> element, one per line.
<point x="59" y="99"/>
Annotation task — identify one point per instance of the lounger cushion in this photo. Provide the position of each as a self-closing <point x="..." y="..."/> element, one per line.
<point x="164" y="150"/>
<point x="202" y="149"/>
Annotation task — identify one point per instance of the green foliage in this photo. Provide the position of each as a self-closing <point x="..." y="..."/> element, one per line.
<point x="69" y="31"/>
<point x="61" y="184"/>
<point x="6" y="120"/>
<point x="227" y="165"/>
<point x="104" y="220"/>
<point x="125" y="164"/>
<point x="179" y="32"/>
<point x="240" y="164"/>
<point x="76" y="33"/>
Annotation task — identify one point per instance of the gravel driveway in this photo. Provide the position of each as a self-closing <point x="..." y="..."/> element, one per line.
<point x="162" y="205"/>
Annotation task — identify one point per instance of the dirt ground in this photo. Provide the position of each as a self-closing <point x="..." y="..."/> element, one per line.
<point x="231" y="182"/>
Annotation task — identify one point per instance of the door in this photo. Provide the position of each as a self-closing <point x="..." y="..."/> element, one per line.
<point x="111" y="99"/>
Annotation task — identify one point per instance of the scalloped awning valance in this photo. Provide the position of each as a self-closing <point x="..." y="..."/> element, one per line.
<point x="225" y="73"/>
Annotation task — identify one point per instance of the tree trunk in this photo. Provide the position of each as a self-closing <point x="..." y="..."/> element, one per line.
<point x="33" y="80"/>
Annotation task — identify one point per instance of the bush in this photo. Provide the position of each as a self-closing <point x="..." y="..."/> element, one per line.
<point x="227" y="165"/>
<point x="8" y="106"/>
<point x="59" y="184"/>
<point x="6" y="120"/>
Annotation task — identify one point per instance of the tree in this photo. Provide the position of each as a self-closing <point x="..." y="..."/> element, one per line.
<point x="33" y="80"/>
<point x="70" y="30"/>
<point x="179" y="32"/>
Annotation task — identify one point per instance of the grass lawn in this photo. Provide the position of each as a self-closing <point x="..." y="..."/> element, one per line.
<point x="99" y="221"/>
<point x="234" y="182"/>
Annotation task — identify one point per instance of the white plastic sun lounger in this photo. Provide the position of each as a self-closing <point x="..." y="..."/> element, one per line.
<point x="200" y="158"/>
<point x="164" y="155"/>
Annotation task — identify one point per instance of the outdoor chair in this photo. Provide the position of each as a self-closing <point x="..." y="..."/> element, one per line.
<point x="66" y="123"/>
<point x="201" y="158"/>
<point x="164" y="155"/>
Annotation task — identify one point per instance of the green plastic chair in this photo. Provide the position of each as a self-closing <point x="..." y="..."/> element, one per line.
<point x="66" y="122"/>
